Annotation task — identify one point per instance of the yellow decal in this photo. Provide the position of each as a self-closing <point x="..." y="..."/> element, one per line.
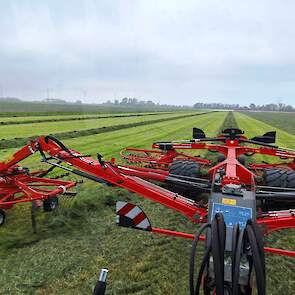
<point x="229" y="201"/>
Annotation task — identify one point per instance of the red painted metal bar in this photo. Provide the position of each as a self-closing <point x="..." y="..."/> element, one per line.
<point x="167" y="232"/>
<point x="142" y="174"/>
<point x="20" y="155"/>
<point x="241" y="149"/>
<point x="175" y="233"/>
<point x="276" y="223"/>
<point x="280" y="251"/>
<point x="143" y="169"/>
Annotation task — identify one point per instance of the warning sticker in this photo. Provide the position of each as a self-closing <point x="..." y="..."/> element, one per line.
<point x="227" y="201"/>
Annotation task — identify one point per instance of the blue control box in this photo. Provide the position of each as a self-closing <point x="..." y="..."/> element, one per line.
<point x="232" y="214"/>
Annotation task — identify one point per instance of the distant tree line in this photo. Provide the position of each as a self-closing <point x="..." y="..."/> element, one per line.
<point x="128" y="102"/>
<point x="272" y="107"/>
<point x="133" y="102"/>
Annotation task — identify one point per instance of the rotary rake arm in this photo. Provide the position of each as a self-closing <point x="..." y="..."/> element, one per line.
<point x="121" y="176"/>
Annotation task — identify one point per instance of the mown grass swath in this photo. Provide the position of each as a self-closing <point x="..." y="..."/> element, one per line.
<point x="64" y="130"/>
<point x="284" y="121"/>
<point x="81" y="117"/>
<point x="23" y="130"/>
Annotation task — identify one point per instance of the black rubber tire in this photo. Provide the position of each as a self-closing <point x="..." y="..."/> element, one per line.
<point x="276" y="177"/>
<point x="184" y="168"/>
<point x="2" y="217"/>
<point x="279" y="177"/>
<point x="50" y="204"/>
<point x="242" y="159"/>
<point x="221" y="158"/>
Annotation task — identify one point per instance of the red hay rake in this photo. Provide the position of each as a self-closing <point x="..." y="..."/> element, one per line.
<point x="243" y="199"/>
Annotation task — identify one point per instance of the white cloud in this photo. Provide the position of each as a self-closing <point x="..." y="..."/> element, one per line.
<point x="168" y="50"/>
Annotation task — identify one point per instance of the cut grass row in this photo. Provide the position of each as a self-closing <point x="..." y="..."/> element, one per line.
<point x="280" y="270"/>
<point x="73" y="244"/>
<point x="109" y="144"/>
<point x="28" y="130"/>
<point x="42" y="119"/>
<point x="68" y="129"/>
<point x="284" y="121"/>
<point x="255" y="127"/>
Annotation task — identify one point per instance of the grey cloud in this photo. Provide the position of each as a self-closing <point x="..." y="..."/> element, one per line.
<point x="172" y="51"/>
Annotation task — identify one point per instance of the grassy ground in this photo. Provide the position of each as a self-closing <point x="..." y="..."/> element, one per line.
<point x="74" y="243"/>
<point x="71" y="245"/>
<point x="109" y="144"/>
<point x="10" y="107"/>
<point x="280" y="270"/>
<point x="33" y="129"/>
<point x="284" y="121"/>
<point x="81" y="116"/>
<point x="19" y="142"/>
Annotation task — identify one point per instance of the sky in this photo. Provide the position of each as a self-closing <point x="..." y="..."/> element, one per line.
<point x="174" y="52"/>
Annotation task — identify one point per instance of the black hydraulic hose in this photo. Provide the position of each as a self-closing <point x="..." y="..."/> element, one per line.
<point x="259" y="239"/>
<point x="218" y="247"/>
<point x="257" y="261"/>
<point x="193" y="257"/>
<point x="237" y="261"/>
<point x="235" y="237"/>
<point x="204" y="263"/>
<point x="58" y="142"/>
<point x="250" y="238"/>
<point x="215" y="244"/>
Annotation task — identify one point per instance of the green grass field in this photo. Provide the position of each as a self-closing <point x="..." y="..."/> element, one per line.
<point x="284" y="121"/>
<point x="72" y="244"/>
<point x="69" y="117"/>
<point x="33" y="129"/>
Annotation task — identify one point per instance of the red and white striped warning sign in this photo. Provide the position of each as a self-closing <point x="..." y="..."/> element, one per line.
<point x="130" y="215"/>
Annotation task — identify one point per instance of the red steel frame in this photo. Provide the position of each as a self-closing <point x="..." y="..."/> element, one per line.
<point x="17" y="185"/>
<point x="156" y="158"/>
<point x="135" y="179"/>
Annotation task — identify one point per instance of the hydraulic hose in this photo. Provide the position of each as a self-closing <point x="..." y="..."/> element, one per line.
<point x="250" y="238"/>
<point x="215" y="246"/>
<point x="218" y="247"/>
<point x="58" y="142"/>
<point x="196" y="290"/>
<point x="247" y="242"/>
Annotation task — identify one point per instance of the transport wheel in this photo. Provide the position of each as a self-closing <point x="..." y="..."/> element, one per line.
<point x="276" y="177"/>
<point x="2" y="217"/>
<point x="279" y="178"/>
<point x="50" y="204"/>
<point x="188" y="169"/>
<point x="185" y="168"/>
